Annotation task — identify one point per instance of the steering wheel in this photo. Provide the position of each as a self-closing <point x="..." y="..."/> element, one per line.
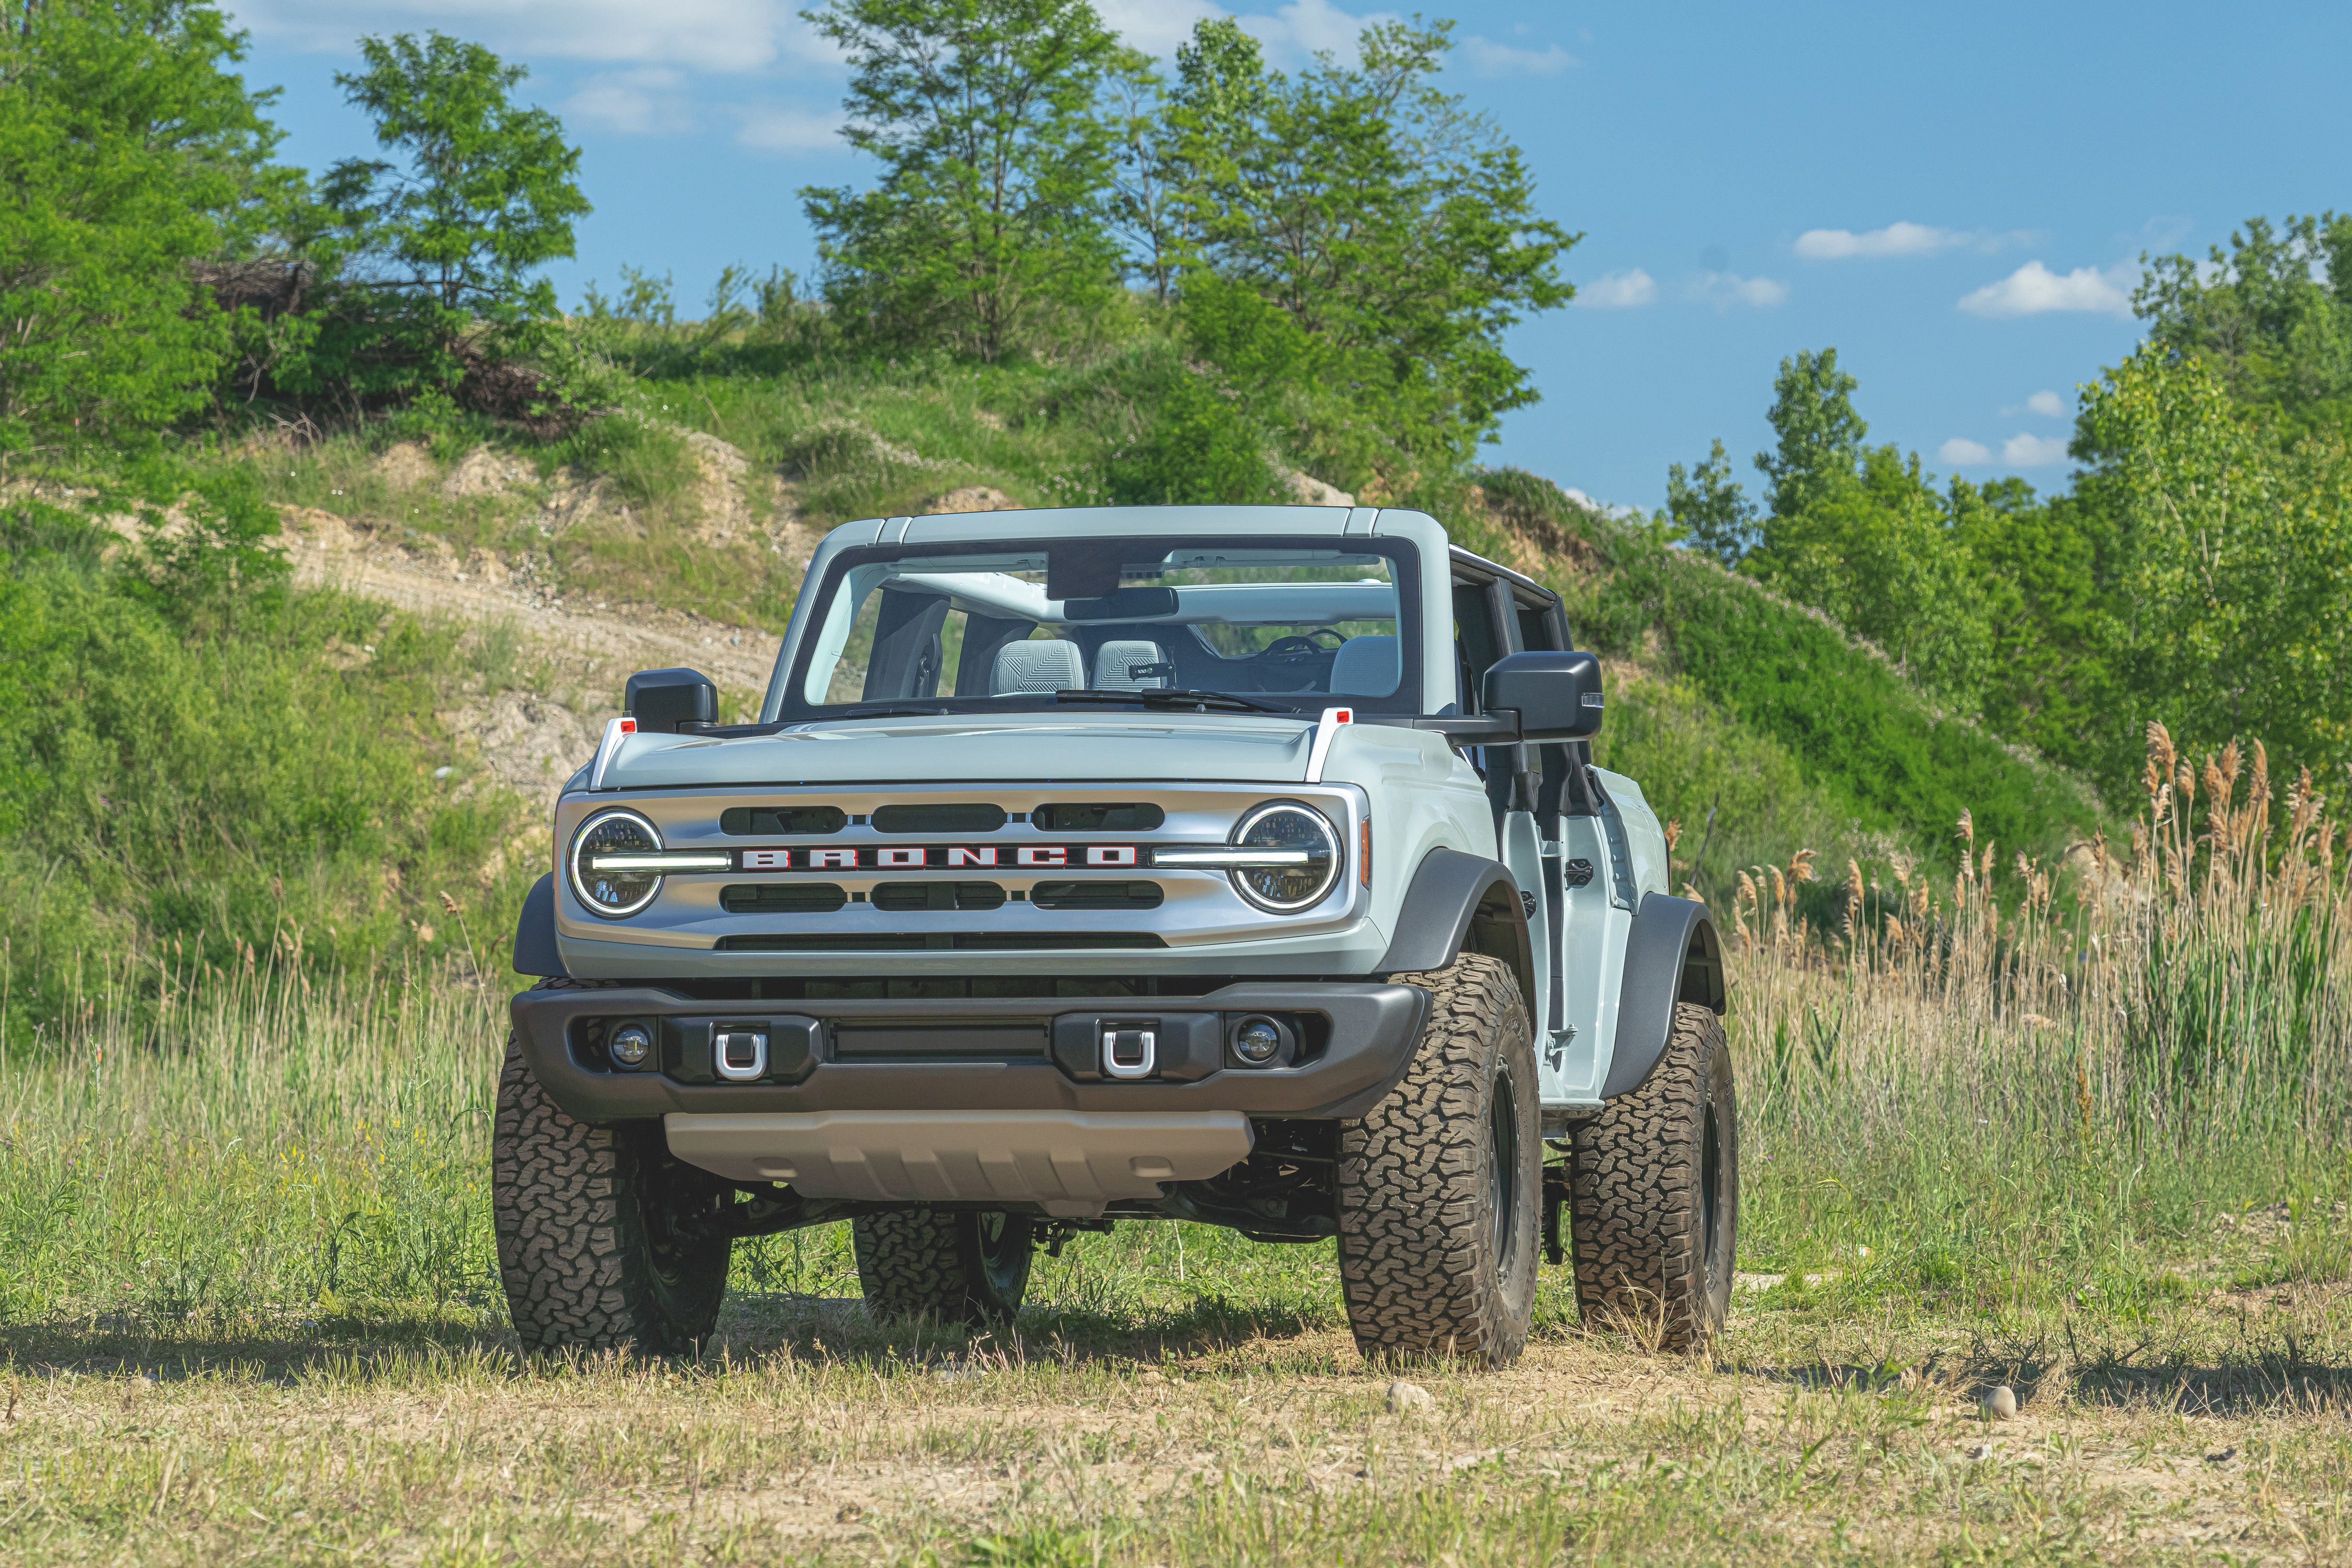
<point x="1303" y="645"/>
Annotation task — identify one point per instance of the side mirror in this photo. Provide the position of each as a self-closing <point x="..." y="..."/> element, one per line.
<point x="671" y="701"/>
<point x="1555" y="696"/>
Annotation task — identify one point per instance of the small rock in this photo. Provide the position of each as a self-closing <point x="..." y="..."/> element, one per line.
<point x="1404" y="1396"/>
<point x="1980" y="1451"/>
<point x="1149" y="1374"/>
<point x="972" y="498"/>
<point x="2223" y="1456"/>
<point x="2002" y="1402"/>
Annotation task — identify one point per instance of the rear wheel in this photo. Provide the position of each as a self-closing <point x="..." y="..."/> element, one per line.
<point x="597" y="1243"/>
<point x="1653" y="1194"/>
<point x="955" y="1265"/>
<point x="1438" y="1184"/>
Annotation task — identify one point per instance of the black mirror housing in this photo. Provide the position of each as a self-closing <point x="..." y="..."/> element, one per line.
<point x="1555" y="696"/>
<point x="671" y="701"/>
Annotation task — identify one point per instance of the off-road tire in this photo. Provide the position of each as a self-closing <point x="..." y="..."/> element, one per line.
<point x="949" y="1265"/>
<point x="1437" y="1235"/>
<point x="587" y="1221"/>
<point x="1653" y="1195"/>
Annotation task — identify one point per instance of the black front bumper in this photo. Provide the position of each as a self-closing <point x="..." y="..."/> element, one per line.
<point x="1347" y="1043"/>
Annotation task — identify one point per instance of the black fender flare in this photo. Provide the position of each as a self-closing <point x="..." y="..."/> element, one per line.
<point x="1461" y="903"/>
<point x="534" y="942"/>
<point x="1672" y="955"/>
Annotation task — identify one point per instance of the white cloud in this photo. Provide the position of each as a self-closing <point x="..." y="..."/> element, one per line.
<point x="1723" y="290"/>
<point x="727" y="36"/>
<point x="1302" y="28"/>
<point x="1961" y="452"/>
<point x="788" y="128"/>
<point x="641" y="103"/>
<point x="1894" y="239"/>
<point x="1155" y="27"/>
<point x="1617" y="290"/>
<point x="2049" y="404"/>
<point x="2034" y="290"/>
<point x="1488" y="57"/>
<point x="2024" y="452"/>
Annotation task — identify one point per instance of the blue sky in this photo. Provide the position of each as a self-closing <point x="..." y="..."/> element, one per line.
<point x="1955" y="197"/>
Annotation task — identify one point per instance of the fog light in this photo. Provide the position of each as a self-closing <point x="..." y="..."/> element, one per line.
<point x="1258" y="1041"/>
<point x="632" y="1045"/>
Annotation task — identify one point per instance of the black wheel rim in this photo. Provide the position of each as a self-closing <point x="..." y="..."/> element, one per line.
<point x="1502" y="1169"/>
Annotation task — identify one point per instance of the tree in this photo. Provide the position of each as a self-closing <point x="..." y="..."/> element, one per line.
<point x="1394" y="229"/>
<point x="1821" y="435"/>
<point x="444" y="237"/>
<point x="1713" y="512"/>
<point x="2278" y="336"/>
<point x="129" y="150"/>
<point x="996" y="159"/>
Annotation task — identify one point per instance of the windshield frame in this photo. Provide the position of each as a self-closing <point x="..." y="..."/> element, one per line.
<point x="1401" y="556"/>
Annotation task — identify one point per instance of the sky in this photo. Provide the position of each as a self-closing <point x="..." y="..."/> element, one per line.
<point x="1955" y="197"/>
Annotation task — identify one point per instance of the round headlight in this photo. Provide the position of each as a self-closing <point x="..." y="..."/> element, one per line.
<point x="612" y="893"/>
<point x="1311" y="850"/>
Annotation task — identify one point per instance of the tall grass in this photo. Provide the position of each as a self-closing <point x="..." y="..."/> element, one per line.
<point x="1969" y="1099"/>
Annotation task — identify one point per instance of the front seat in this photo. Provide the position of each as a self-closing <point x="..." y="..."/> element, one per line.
<point x="1044" y="664"/>
<point x="1365" y="667"/>
<point x="1115" y="664"/>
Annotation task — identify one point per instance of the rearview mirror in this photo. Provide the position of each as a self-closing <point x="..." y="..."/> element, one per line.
<point x="671" y="701"/>
<point x="1556" y="696"/>
<point x="1124" y="605"/>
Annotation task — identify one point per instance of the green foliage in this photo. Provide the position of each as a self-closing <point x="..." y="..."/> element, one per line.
<point x="1394" y="229"/>
<point x="988" y="214"/>
<point x="2279" y="337"/>
<point x="645" y="462"/>
<point x="1199" y="449"/>
<point x="129" y="151"/>
<point x="2228" y="573"/>
<point x="440" y="242"/>
<point x="1707" y="504"/>
<point x="189" y="768"/>
<point x="1820" y="434"/>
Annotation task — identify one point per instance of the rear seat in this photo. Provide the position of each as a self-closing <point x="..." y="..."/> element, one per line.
<point x="1117" y="664"/>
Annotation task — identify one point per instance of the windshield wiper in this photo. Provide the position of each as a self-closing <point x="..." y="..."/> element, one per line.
<point x="894" y="710"/>
<point x="1172" y="697"/>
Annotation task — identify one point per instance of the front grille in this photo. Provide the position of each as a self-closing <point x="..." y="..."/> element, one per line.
<point x="943" y="941"/>
<point x="940" y="816"/>
<point x="1095" y="895"/>
<point x="764" y="821"/>
<point x="783" y="898"/>
<point x="899" y="897"/>
<point x="1099" y="816"/>
<point x="993" y="1039"/>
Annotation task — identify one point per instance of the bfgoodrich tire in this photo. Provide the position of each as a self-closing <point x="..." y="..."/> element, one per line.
<point x="1653" y="1195"/>
<point x="950" y="1266"/>
<point x="1437" y="1186"/>
<point x="596" y="1243"/>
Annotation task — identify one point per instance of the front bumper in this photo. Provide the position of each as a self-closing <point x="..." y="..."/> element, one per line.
<point x="1352" y="1042"/>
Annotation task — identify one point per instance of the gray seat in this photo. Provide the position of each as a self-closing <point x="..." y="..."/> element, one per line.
<point x="1052" y="664"/>
<point x="1115" y="664"/>
<point x="1365" y="667"/>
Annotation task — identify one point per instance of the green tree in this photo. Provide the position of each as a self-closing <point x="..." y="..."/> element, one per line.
<point x="1395" y="230"/>
<point x="996" y="162"/>
<point x="129" y="151"/>
<point x="1820" y="434"/>
<point x="2273" y="314"/>
<point x="444" y="237"/>
<point x="1713" y="512"/>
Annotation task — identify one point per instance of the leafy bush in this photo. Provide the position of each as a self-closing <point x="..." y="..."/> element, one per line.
<point x="1198" y="450"/>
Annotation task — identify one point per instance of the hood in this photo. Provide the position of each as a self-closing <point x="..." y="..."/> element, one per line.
<point x="1039" y="747"/>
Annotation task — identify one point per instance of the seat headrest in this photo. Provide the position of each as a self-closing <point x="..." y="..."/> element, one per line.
<point x="1044" y="665"/>
<point x="1117" y="662"/>
<point x="1365" y="667"/>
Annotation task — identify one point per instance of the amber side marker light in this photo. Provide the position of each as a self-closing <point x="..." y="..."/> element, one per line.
<point x="1364" y="857"/>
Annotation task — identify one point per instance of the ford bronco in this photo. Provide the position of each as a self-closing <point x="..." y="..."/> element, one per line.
<point x="1238" y="864"/>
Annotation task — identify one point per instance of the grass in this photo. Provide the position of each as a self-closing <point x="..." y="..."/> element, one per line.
<point x="252" y="1307"/>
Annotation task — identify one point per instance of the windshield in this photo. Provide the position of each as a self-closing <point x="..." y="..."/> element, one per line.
<point x="1285" y="625"/>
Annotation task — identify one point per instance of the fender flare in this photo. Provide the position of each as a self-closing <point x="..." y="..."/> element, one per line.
<point x="534" y="940"/>
<point x="1459" y="903"/>
<point x="1672" y="955"/>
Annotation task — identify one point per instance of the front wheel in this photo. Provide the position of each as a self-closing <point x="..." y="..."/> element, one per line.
<point x="1653" y="1194"/>
<point x="1438" y="1184"/>
<point x="597" y="1245"/>
<point x="953" y="1266"/>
